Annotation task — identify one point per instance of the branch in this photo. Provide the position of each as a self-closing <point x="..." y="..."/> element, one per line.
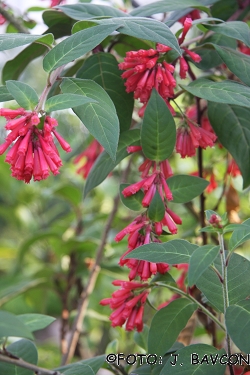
<point x="13" y="20"/>
<point x="29" y="366"/>
<point x="84" y="298"/>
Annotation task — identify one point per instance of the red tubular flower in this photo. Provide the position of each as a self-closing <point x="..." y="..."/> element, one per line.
<point x="34" y="153"/>
<point x="87" y="158"/>
<point x="233" y="169"/>
<point x="194" y="15"/>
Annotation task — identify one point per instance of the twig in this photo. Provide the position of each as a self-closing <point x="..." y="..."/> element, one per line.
<point x="13" y="20"/>
<point x="29" y="366"/>
<point x="84" y="298"/>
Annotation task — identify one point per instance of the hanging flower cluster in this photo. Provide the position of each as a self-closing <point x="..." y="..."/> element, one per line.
<point x="87" y="158"/>
<point x="147" y="69"/>
<point x="32" y="152"/>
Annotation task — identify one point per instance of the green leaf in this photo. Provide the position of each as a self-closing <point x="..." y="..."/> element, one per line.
<point x="99" y="118"/>
<point x="158" y="131"/>
<point x="228" y="92"/>
<point x="35" y="322"/>
<point x="144" y="28"/>
<point x="208" y="230"/>
<point x="79" y="370"/>
<point x="103" y="69"/>
<point x="64" y="101"/>
<point x="4" y="94"/>
<point x="76" y="46"/>
<point x="24" y="349"/>
<point x="238" y="282"/>
<point x="12" y="40"/>
<point x="133" y="202"/>
<point x="237" y="62"/>
<point x="70" y="193"/>
<point x="88" y="11"/>
<point x="10" y="325"/>
<point x="237" y="319"/>
<point x="234" y="227"/>
<point x="240" y="236"/>
<point x="24" y="95"/>
<point x="156" y="210"/>
<point x="234" y="29"/>
<point x="141" y="338"/>
<point x="200" y="260"/>
<point x="171" y="252"/>
<point x="164" y="6"/>
<point x="185" y="188"/>
<point x="95" y="363"/>
<point x="104" y="164"/>
<point x="167" y="323"/>
<point x="196" y="359"/>
<point x="231" y="124"/>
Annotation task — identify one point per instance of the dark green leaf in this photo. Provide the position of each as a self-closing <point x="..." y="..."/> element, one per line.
<point x="234" y="29"/>
<point x="158" y="132"/>
<point x="237" y="62"/>
<point x="24" y="349"/>
<point x="76" y="46"/>
<point x="231" y="124"/>
<point x="104" y="164"/>
<point x="156" y="210"/>
<point x="4" y="94"/>
<point x="64" y="101"/>
<point x="196" y="359"/>
<point x="133" y="202"/>
<point x="95" y="363"/>
<point x="238" y="282"/>
<point x="164" y="6"/>
<point x="171" y="252"/>
<point x="240" y="236"/>
<point x="184" y="188"/>
<point x="167" y="323"/>
<point x="79" y="369"/>
<point x="103" y="69"/>
<point x="24" y="95"/>
<point x="12" y="40"/>
<point x="99" y="118"/>
<point x="200" y="260"/>
<point x="86" y="11"/>
<point x="11" y="326"/>
<point x="35" y="322"/>
<point x="228" y="92"/>
<point x="237" y="319"/>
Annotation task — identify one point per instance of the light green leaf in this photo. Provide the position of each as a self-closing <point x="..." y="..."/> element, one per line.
<point x="99" y="118"/>
<point x="167" y="323"/>
<point x="104" y="164"/>
<point x="88" y="11"/>
<point x="24" y="95"/>
<point x="164" y="6"/>
<point x="228" y="92"/>
<point x="238" y="282"/>
<point x="237" y="62"/>
<point x="184" y="188"/>
<point x="24" y="349"/>
<point x="35" y="322"/>
<point x="240" y="236"/>
<point x="141" y="338"/>
<point x="156" y="210"/>
<point x="234" y="29"/>
<point x="95" y="363"/>
<point x="12" y="40"/>
<point x="4" y="94"/>
<point x="103" y="69"/>
<point x="79" y="369"/>
<point x="231" y="124"/>
<point x="171" y="252"/>
<point x="76" y="46"/>
<point x="133" y="202"/>
<point x="70" y="193"/>
<point x="10" y="325"/>
<point x="158" y="131"/>
<point x="64" y="101"/>
<point x="196" y="359"/>
<point x="237" y="320"/>
<point x="200" y="260"/>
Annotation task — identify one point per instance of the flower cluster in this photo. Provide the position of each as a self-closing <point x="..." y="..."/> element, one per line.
<point x="32" y="152"/>
<point x="147" y="69"/>
<point x="190" y="136"/>
<point x="127" y="305"/>
<point x="87" y="158"/>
